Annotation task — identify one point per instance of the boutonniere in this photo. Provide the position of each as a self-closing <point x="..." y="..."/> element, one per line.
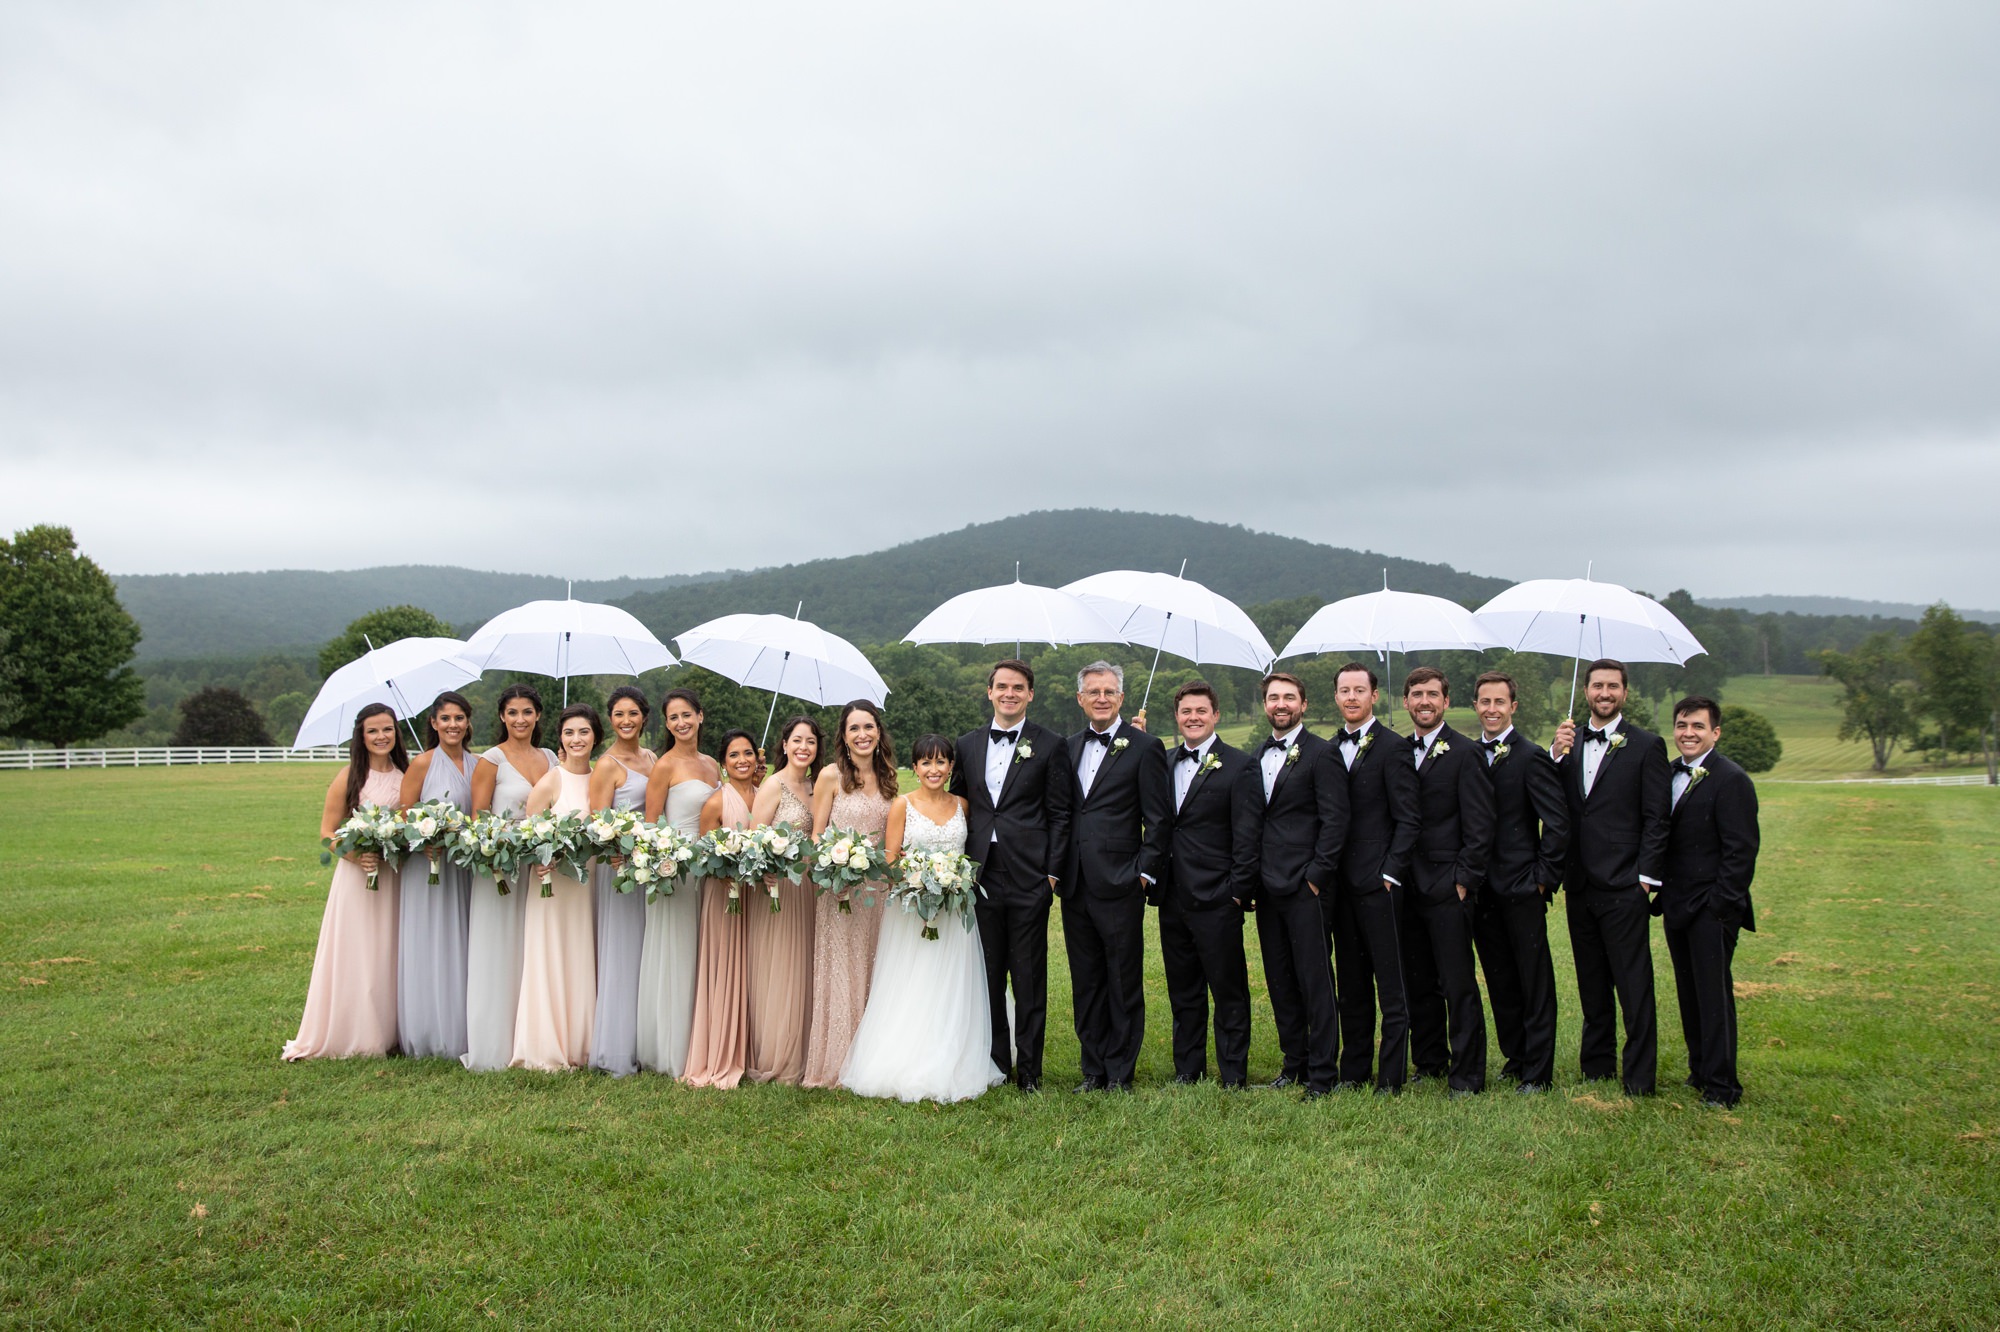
<point x="1441" y="747"/>
<point x="1118" y="745"/>
<point x="1366" y="741"/>
<point x="1209" y="764"/>
<point x="1502" y="750"/>
<point x="1695" y="774"/>
<point x="1291" y="755"/>
<point x="1024" y="750"/>
<point x="1617" y="740"/>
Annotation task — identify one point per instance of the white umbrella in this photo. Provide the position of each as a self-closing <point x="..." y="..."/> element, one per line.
<point x="1389" y="622"/>
<point x="1578" y="618"/>
<point x="1173" y="613"/>
<point x="406" y="674"/>
<point x="565" y="638"/>
<point x="1016" y="613"/>
<point x="793" y="657"/>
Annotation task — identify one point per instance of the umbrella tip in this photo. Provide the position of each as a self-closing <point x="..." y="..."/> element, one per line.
<point x="1385" y="580"/>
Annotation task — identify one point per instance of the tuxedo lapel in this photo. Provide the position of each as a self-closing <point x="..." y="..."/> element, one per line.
<point x="1284" y="768"/>
<point x="1013" y="764"/>
<point x="1200" y="778"/>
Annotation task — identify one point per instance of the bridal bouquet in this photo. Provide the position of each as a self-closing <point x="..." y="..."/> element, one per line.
<point x="612" y="832"/>
<point x="370" y="830"/>
<point x="489" y="847"/>
<point x="843" y="861"/>
<point x="719" y="855"/>
<point x="932" y="883"/>
<point x="656" y="859"/>
<point x="428" y="829"/>
<point x="549" y="837"/>
<point x="783" y="853"/>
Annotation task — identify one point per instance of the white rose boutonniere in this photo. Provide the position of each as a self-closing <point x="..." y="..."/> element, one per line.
<point x="1023" y="751"/>
<point x="1502" y="750"/>
<point x="1291" y="755"/>
<point x="1441" y="747"/>
<point x="1366" y="741"/>
<point x="1118" y="745"/>
<point x="1695" y="774"/>
<point x="1617" y="740"/>
<point x="1210" y="764"/>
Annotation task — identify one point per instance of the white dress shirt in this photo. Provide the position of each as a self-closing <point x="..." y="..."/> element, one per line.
<point x="1093" y="755"/>
<point x="1683" y="780"/>
<point x="1349" y="753"/>
<point x="1273" y="759"/>
<point x="1593" y="754"/>
<point x="1499" y="739"/>
<point x="1184" y="773"/>
<point x="999" y="758"/>
<point x="1422" y="740"/>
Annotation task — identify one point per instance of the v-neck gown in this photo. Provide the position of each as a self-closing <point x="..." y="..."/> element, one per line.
<point x="667" y="958"/>
<point x="493" y="939"/>
<point x="431" y="939"/>
<point x="558" y="957"/>
<point x="719" y="1043"/>
<point x="621" y="934"/>
<point x="780" y="952"/>
<point x="351" y="999"/>
<point x="843" y="950"/>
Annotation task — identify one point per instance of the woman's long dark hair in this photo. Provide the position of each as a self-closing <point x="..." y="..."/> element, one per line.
<point x="722" y="752"/>
<point x="357" y="754"/>
<point x="693" y="700"/>
<point x="638" y="696"/>
<point x="885" y="753"/>
<point x="508" y="695"/>
<point x="819" y="743"/>
<point x="430" y="717"/>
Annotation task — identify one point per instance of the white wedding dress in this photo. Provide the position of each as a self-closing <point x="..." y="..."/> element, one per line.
<point x="927" y="1033"/>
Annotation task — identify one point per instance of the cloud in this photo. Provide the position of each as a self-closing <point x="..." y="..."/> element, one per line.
<point x="1704" y="294"/>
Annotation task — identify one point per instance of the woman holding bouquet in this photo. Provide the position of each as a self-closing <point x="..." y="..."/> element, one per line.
<point x="430" y="948"/>
<point x="720" y="1042"/>
<point x="619" y="782"/>
<point x="681" y="783"/>
<point x="780" y="946"/>
<point x="853" y="794"/>
<point x="558" y="945"/>
<point x="927" y="1034"/>
<point x="351" y="999"/>
<point x="501" y="782"/>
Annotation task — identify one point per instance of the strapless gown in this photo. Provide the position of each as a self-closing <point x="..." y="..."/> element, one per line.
<point x="667" y="959"/>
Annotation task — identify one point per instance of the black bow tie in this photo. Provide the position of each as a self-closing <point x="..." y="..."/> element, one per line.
<point x="1004" y="737"/>
<point x="1274" y="743"/>
<point x="1096" y="737"/>
<point x="1682" y="765"/>
<point x="1593" y="736"/>
<point x="1351" y="737"/>
<point x="1185" y="754"/>
<point x="1489" y="745"/>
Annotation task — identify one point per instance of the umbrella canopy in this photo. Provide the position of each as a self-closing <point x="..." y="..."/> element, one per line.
<point x="785" y="655"/>
<point x="1578" y="618"/>
<point x="1017" y="613"/>
<point x="565" y="638"/>
<point x="406" y="674"/>
<point x="1177" y="615"/>
<point x="1388" y="621"/>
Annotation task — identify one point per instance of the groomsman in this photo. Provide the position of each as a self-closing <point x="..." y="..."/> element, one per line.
<point x="1616" y="781"/>
<point x="1510" y="924"/>
<point x="1454" y="838"/>
<point x="1122" y="809"/>
<point x="1211" y="873"/>
<point x="1015" y="778"/>
<point x="1705" y="892"/>
<point x="1298" y="861"/>
<point x="1374" y="865"/>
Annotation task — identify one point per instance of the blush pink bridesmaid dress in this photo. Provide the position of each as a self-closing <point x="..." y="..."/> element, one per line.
<point x="558" y="958"/>
<point x="351" y="999"/>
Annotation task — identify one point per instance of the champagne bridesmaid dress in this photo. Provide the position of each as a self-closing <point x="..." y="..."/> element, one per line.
<point x="351" y="1000"/>
<point x="719" y="1043"/>
<point x="493" y="939"/>
<point x="780" y="952"/>
<point x="667" y="959"/>
<point x="843" y="951"/>
<point x="430" y="949"/>
<point x="558" y="957"/>
<point x="621" y="932"/>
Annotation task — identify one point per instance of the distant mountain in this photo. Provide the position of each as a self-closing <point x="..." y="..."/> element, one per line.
<point x="880" y="596"/>
<point x="244" y="614"/>
<point x="1888" y="610"/>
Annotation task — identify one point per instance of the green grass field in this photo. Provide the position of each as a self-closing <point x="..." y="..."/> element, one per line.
<point x="163" y="1167"/>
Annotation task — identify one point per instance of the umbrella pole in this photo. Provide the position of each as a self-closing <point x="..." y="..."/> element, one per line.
<point x="1147" y="697"/>
<point x="774" y="701"/>
<point x="1576" y="665"/>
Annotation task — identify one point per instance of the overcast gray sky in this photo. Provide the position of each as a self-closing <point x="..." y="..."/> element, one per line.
<point x="1706" y="293"/>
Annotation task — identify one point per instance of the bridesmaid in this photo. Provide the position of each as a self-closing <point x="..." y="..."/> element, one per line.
<point x="719" y="1042"/>
<point x="430" y="951"/>
<point x="681" y="783"/>
<point x="501" y="782"/>
<point x="619" y="782"/>
<point x="781" y="943"/>
<point x="558" y="950"/>
<point x="854" y="793"/>
<point x="351" y="1000"/>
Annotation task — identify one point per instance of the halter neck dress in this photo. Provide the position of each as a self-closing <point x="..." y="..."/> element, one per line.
<point x="621" y="933"/>
<point x="780" y="952"/>
<point x="431" y="939"/>
<point x="558" y="956"/>
<point x="493" y="938"/>
<point x="351" y="999"/>
<point x="667" y="958"/>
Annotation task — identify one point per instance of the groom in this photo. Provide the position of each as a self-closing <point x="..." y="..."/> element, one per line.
<point x="1014" y="776"/>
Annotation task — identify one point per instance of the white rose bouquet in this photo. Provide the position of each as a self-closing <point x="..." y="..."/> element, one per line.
<point x="721" y="855"/>
<point x="611" y="832"/>
<point x="488" y="846"/>
<point x="782" y="852"/>
<point x="549" y="837"/>
<point x="655" y="859"/>
<point x="935" y="883"/>
<point x="370" y="830"/>
<point x="428" y="829"/>
<point x="843" y="862"/>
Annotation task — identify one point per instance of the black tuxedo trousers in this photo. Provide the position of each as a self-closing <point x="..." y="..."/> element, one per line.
<point x="1610" y="933"/>
<point x="1014" y="936"/>
<point x="1201" y="948"/>
<point x="1512" y="935"/>
<point x="1365" y="929"/>
<point x="1298" y="973"/>
<point x="1704" y="951"/>
<point x="1447" y="1020"/>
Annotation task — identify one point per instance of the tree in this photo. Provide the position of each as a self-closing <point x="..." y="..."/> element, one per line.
<point x="285" y="712"/>
<point x="1954" y="666"/>
<point x="10" y="693"/>
<point x="1750" y="739"/>
<point x="71" y="643"/>
<point x="220" y="716"/>
<point x="917" y="707"/>
<point x="1876" y="701"/>
<point x="379" y="627"/>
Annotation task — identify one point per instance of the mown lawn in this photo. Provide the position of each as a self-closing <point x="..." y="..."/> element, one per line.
<point x="162" y="1166"/>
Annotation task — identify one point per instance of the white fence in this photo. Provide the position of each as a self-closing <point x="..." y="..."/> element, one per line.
<point x="162" y="756"/>
<point x="1957" y="779"/>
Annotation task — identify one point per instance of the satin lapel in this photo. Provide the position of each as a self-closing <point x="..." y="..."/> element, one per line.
<point x="1013" y="764"/>
<point x="1200" y="780"/>
<point x="1284" y="771"/>
<point x="1602" y="764"/>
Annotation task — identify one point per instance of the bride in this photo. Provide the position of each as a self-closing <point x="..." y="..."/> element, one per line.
<point x="926" y="1033"/>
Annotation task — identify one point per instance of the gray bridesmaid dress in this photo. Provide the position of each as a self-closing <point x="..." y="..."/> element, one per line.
<point x="431" y="935"/>
<point x="493" y="942"/>
<point x="667" y="961"/>
<point x="621" y="932"/>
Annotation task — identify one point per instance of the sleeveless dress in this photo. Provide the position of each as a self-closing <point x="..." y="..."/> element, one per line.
<point x="780" y="952"/>
<point x="667" y="959"/>
<point x="621" y="932"/>
<point x="430" y="950"/>
<point x="558" y="957"/>
<point x="928" y="1031"/>
<point x="720" y="1040"/>
<point x="493" y="939"/>
<point x="843" y="951"/>
<point x="351" y="999"/>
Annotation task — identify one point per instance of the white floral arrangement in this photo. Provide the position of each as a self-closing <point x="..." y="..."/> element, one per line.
<point x="1023" y="751"/>
<point x="429" y="829"/>
<point x="488" y="847"/>
<point x="370" y="830"/>
<point x="548" y="838"/>
<point x="1209" y="763"/>
<point x="845" y="862"/>
<point x="936" y="883"/>
<point x="1118" y="746"/>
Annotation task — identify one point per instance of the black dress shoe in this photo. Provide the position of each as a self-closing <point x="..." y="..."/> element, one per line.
<point x="1531" y="1089"/>
<point x="1031" y="1084"/>
<point x="1282" y="1081"/>
<point x="1187" y="1079"/>
<point x="1389" y="1091"/>
<point x="1689" y="1081"/>
<point x="1125" y="1087"/>
<point x="1630" y="1090"/>
<point x="1464" y="1093"/>
<point x="1350" y="1086"/>
<point x="1090" y="1084"/>
<point x="1238" y="1085"/>
<point x="1716" y="1103"/>
<point x="1315" y="1094"/>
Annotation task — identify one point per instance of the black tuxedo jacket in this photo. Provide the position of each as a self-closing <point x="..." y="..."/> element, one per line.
<point x="1454" y="819"/>
<point x="1032" y="818"/>
<point x="1382" y="810"/>
<point x="1619" y="833"/>
<point x="1121" y="829"/>
<point x="1212" y="855"/>
<point x="1304" y="821"/>
<point x="1531" y="821"/>
<point x="1712" y="847"/>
